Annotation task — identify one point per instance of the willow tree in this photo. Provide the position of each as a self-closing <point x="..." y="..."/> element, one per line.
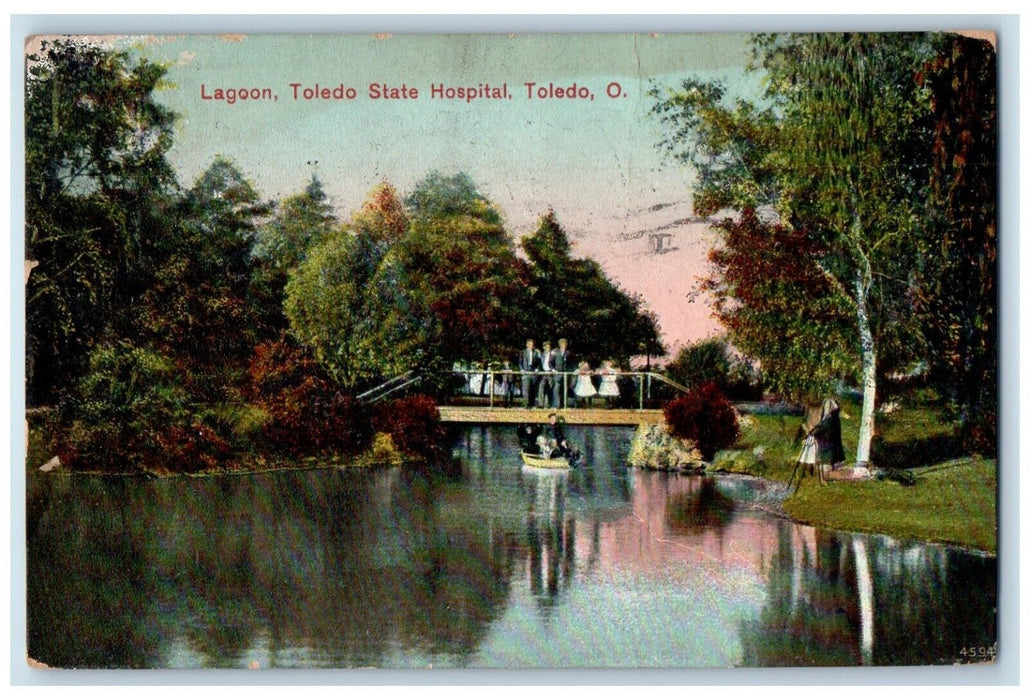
<point x="836" y="143"/>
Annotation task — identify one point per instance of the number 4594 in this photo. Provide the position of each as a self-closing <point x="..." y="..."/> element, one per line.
<point x="972" y="653"/>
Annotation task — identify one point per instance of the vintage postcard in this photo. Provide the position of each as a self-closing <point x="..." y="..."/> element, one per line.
<point x="518" y="351"/>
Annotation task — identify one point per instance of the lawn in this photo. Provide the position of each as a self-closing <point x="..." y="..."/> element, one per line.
<point x="953" y="500"/>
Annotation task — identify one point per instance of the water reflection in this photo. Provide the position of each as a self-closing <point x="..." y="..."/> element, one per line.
<point x="490" y="565"/>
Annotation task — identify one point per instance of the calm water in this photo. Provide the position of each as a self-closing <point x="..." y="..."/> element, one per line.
<point x="490" y="565"/>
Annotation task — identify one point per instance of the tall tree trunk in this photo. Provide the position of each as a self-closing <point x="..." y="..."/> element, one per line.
<point x="865" y="334"/>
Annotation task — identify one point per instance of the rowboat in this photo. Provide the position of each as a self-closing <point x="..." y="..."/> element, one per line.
<point x="539" y="462"/>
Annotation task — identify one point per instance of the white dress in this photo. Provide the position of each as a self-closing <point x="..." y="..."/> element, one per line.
<point x="609" y="387"/>
<point x="584" y="388"/>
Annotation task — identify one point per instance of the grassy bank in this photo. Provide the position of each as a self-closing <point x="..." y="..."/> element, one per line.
<point x="953" y="500"/>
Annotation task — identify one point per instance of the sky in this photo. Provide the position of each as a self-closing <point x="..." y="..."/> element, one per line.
<point x="592" y="158"/>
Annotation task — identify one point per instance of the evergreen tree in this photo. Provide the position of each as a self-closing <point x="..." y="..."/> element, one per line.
<point x="573" y="298"/>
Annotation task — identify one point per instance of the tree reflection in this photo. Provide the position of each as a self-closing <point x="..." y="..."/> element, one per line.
<point x="345" y="566"/>
<point x="702" y="507"/>
<point x="839" y="599"/>
<point x="87" y="585"/>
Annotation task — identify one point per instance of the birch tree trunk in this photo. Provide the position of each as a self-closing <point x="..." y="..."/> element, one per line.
<point x="865" y="334"/>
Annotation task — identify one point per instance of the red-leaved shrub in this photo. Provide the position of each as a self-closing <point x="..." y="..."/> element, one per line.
<point x="705" y="416"/>
<point x="414" y="424"/>
<point x="307" y="414"/>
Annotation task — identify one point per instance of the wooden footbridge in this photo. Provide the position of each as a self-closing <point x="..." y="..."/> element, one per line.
<point x="493" y="396"/>
<point x="488" y="395"/>
<point x="572" y="416"/>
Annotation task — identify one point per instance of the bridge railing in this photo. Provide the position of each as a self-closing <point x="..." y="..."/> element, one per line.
<point x="503" y="385"/>
<point x="394" y="384"/>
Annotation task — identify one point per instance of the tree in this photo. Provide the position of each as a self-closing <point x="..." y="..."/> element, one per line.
<point x="345" y="302"/>
<point x="956" y="294"/>
<point x="838" y="151"/>
<point x="704" y="362"/>
<point x="382" y="216"/>
<point x="460" y="275"/>
<point x="778" y="306"/>
<point x="572" y="297"/>
<point x="98" y="193"/>
<point x="300" y="223"/>
<point x="199" y="308"/>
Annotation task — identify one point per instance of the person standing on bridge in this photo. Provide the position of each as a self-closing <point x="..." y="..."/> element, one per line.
<point x="561" y="362"/>
<point x="584" y="388"/>
<point x="545" y="385"/>
<point x="609" y="388"/>
<point x="507" y="384"/>
<point x="529" y="361"/>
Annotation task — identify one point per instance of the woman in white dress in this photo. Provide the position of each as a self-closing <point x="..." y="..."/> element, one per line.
<point x="609" y="388"/>
<point x="584" y="388"/>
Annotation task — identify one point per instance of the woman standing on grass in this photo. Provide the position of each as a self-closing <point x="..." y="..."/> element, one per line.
<point x="827" y="437"/>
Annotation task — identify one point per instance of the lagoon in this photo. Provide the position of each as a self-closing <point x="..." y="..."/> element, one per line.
<point x="481" y="564"/>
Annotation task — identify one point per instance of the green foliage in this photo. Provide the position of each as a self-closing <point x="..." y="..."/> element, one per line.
<point x="956" y="293"/>
<point x="131" y="413"/>
<point x="300" y="223"/>
<point x="439" y="196"/>
<point x="700" y="363"/>
<point x="331" y="303"/>
<point x="97" y="199"/>
<point x="573" y="298"/>
<point x="728" y="145"/>
<point x="347" y="300"/>
<point x="461" y="277"/>
<point x="199" y="308"/>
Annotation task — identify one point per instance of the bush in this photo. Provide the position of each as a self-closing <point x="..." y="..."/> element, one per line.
<point x="713" y="361"/>
<point x="414" y="424"/>
<point x="132" y="412"/>
<point x="305" y="412"/>
<point x="701" y="363"/>
<point x="705" y="416"/>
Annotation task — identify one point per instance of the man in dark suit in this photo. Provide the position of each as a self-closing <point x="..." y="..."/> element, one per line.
<point x="529" y="361"/>
<point x="561" y="361"/>
<point x="545" y="383"/>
